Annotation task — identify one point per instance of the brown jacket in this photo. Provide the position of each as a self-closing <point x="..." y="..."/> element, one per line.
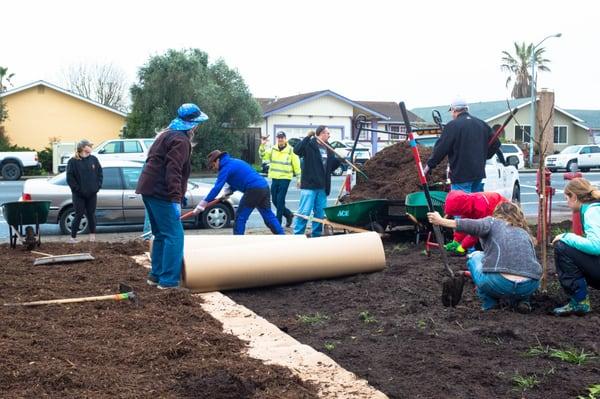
<point x="167" y="168"/>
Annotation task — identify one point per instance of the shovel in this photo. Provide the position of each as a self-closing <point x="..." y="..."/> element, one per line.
<point x="452" y="286"/>
<point x="211" y="203"/>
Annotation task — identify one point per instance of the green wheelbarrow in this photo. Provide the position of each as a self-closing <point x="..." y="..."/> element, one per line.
<point x="374" y="214"/>
<point x="19" y="214"/>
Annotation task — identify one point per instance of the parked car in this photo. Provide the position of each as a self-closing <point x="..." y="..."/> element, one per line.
<point x="118" y="204"/>
<point x="118" y="150"/>
<point x="502" y="178"/>
<point x="513" y="150"/>
<point x="344" y="148"/>
<point x="574" y="157"/>
<point x="13" y="163"/>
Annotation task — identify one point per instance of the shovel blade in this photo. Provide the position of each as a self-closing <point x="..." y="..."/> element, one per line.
<point x="452" y="289"/>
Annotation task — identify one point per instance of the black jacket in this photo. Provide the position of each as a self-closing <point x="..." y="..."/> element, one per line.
<point x="465" y="141"/>
<point x="313" y="175"/>
<point x="84" y="176"/>
<point x="165" y="175"/>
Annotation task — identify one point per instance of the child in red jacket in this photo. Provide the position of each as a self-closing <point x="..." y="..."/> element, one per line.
<point x="470" y="206"/>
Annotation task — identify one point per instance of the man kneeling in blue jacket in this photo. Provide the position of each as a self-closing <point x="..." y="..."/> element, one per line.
<point x="241" y="177"/>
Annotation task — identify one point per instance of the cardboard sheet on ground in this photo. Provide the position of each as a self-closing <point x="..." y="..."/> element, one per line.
<point x="265" y="263"/>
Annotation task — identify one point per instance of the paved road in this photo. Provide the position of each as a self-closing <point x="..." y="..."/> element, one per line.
<point x="10" y="191"/>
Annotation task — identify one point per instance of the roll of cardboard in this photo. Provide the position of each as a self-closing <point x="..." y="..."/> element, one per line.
<point x="201" y="242"/>
<point x="289" y="261"/>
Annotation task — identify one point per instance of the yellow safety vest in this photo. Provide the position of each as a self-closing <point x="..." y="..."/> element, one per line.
<point x="284" y="164"/>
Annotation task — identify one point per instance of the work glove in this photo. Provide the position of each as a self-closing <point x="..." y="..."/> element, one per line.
<point x="200" y="207"/>
<point x="451" y="246"/>
<point x="177" y="208"/>
<point x="263" y="140"/>
<point x="310" y="133"/>
<point x="426" y="170"/>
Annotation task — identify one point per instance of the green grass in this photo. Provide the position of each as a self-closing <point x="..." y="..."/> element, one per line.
<point x="329" y="346"/>
<point x="313" y="319"/>
<point x="524" y="382"/>
<point x="367" y="317"/>
<point x="594" y="392"/>
<point x="399" y="248"/>
<point x="572" y="356"/>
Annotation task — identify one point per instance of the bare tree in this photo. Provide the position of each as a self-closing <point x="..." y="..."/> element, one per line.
<point x="105" y="84"/>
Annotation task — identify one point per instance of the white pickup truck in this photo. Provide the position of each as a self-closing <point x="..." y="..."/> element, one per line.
<point x="502" y="178"/>
<point x="13" y="164"/>
<point x="135" y="150"/>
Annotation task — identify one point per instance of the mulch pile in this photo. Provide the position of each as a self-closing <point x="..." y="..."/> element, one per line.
<point x="391" y="329"/>
<point x="165" y="347"/>
<point x="393" y="174"/>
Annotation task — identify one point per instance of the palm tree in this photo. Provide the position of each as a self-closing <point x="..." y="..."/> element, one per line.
<point x="519" y="68"/>
<point x="4" y="75"/>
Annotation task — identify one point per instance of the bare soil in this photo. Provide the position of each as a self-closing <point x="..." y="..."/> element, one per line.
<point x="391" y="329"/>
<point x="393" y="174"/>
<point x="165" y="347"/>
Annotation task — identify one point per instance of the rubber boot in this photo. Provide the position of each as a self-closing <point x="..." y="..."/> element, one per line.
<point x="574" y="307"/>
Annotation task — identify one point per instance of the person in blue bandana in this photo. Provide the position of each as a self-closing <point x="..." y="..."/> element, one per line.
<point x="163" y="184"/>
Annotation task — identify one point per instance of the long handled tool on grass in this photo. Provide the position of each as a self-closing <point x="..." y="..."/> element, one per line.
<point x="125" y="294"/>
<point x="332" y="224"/>
<point x="452" y="286"/>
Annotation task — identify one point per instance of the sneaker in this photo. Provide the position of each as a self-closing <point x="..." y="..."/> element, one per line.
<point x="288" y="220"/>
<point x="92" y="237"/>
<point x="72" y="240"/>
<point x="151" y="281"/>
<point x="574" y="308"/>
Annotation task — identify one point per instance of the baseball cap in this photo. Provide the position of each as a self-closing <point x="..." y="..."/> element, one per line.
<point x="281" y="134"/>
<point x="458" y="103"/>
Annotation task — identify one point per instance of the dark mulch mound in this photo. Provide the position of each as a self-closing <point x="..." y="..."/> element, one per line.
<point x="391" y="329"/>
<point x="166" y="347"/>
<point x="393" y="174"/>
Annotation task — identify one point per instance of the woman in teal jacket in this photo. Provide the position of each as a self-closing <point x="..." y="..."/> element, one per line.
<point x="577" y="258"/>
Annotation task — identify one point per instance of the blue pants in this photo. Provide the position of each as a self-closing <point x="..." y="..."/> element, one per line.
<point x="279" y="189"/>
<point x="492" y="287"/>
<point x="256" y="198"/>
<point x="167" y="249"/>
<point x="313" y="201"/>
<point x="475" y="186"/>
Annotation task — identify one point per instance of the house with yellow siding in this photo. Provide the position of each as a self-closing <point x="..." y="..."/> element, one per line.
<point x="40" y="113"/>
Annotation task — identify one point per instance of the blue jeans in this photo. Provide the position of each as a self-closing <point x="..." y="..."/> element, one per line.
<point x="279" y="189"/>
<point x="313" y="201"/>
<point x="147" y="228"/>
<point x="492" y="287"/>
<point x="167" y="249"/>
<point x="256" y="198"/>
<point x="475" y="186"/>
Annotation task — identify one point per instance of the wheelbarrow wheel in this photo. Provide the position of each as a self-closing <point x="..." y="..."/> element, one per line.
<point x="376" y="227"/>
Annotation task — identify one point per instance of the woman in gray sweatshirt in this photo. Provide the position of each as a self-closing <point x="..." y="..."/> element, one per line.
<point x="507" y="269"/>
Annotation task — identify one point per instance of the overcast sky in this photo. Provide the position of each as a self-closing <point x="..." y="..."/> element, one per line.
<point x="422" y="52"/>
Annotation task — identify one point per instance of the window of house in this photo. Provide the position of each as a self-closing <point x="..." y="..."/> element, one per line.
<point x="560" y="135"/>
<point x="396" y="128"/>
<point x="522" y="133"/>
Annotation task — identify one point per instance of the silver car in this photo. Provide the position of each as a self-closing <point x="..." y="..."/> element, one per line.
<point x="118" y="204"/>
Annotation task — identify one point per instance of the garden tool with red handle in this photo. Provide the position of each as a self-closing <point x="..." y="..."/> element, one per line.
<point x="211" y="203"/>
<point x="452" y="286"/>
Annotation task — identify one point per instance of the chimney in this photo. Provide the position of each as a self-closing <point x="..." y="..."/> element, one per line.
<point x="545" y="116"/>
